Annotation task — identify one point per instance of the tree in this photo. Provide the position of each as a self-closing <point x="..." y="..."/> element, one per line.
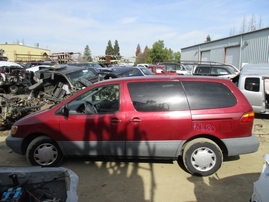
<point x="260" y="23"/>
<point x="158" y="53"/>
<point x="138" y="50"/>
<point x="208" y="38"/>
<point x="243" y="25"/>
<point x="109" y="49"/>
<point x="177" y="56"/>
<point x="146" y="53"/>
<point x="232" y="31"/>
<point x="141" y="57"/>
<point x="116" y="48"/>
<point x="252" y="23"/>
<point x="87" y="54"/>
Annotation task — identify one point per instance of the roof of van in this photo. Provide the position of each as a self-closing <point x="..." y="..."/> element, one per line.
<point x="255" y="69"/>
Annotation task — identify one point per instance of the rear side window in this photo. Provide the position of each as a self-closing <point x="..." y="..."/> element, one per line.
<point x="252" y="84"/>
<point x="208" y="95"/>
<point x="158" y="96"/>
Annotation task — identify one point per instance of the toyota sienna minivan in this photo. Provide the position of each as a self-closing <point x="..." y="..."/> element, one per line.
<point x="199" y="120"/>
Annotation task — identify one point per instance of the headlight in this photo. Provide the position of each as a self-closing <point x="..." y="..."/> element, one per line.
<point x="14" y="130"/>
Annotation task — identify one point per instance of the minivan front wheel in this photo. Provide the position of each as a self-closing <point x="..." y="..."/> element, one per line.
<point x="202" y="157"/>
<point x="43" y="151"/>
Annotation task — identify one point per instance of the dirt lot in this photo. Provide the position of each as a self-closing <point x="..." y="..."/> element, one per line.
<point x="106" y="181"/>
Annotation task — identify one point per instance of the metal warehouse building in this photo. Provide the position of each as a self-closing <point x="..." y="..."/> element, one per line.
<point x="250" y="47"/>
<point x="23" y="54"/>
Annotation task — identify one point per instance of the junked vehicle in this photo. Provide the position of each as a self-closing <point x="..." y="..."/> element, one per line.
<point x="253" y="81"/>
<point x="124" y="71"/>
<point x="181" y="69"/>
<point x="92" y="65"/>
<point x="197" y="119"/>
<point x="58" y="81"/>
<point x="12" y="77"/>
<point x="160" y="70"/>
<point x="215" y="69"/>
<point x="52" y="85"/>
<point x="142" y="65"/>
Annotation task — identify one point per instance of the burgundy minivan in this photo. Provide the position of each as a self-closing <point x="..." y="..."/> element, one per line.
<point x="198" y="119"/>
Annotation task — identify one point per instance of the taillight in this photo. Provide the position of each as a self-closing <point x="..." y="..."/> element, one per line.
<point x="247" y="117"/>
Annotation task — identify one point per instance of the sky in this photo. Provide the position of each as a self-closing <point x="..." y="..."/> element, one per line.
<point x="69" y="26"/>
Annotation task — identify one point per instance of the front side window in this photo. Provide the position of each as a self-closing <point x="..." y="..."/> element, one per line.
<point x="208" y="95"/>
<point x="252" y="84"/>
<point x="103" y="99"/>
<point x="158" y="96"/>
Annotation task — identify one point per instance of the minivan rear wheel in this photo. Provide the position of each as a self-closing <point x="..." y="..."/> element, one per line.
<point x="43" y="151"/>
<point x="202" y="157"/>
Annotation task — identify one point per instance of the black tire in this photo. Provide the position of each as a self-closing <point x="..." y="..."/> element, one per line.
<point x="43" y="151"/>
<point x="13" y="89"/>
<point x="202" y="157"/>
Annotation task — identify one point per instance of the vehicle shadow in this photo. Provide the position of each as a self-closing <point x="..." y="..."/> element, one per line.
<point x="225" y="159"/>
<point x="114" y="179"/>
<point x="225" y="189"/>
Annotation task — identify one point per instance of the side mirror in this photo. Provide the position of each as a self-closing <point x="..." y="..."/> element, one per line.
<point x="65" y="111"/>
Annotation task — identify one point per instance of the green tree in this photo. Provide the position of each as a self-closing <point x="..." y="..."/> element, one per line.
<point x="109" y="49"/>
<point x="158" y="53"/>
<point x="116" y="48"/>
<point x="208" y="39"/>
<point x="87" y="56"/>
<point x="177" y="56"/>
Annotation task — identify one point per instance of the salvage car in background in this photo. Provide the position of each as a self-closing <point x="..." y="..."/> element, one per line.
<point x="12" y="77"/>
<point x="57" y="81"/>
<point x="160" y="70"/>
<point x="53" y="84"/>
<point x="92" y="65"/>
<point x="197" y="119"/>
<point x="124" y="71"/>
<point x="181" y="69"/>
<point x="253" y="81"/>
<point x="216" y="69"/>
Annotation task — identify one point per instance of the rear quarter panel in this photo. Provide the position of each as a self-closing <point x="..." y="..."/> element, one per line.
<point x="224" y="122"/>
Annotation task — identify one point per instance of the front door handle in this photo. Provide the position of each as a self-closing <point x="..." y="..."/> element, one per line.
<point x="115" y="120"/>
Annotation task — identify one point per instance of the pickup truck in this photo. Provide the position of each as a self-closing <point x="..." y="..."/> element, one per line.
<point x="160" y="70"/>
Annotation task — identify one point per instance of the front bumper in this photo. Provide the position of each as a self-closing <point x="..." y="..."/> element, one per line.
<point x="15" y="144"/>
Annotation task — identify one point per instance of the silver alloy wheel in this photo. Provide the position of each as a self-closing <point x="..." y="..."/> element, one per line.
<point x="203" y="159"/>
<point x="45" y="154"/>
